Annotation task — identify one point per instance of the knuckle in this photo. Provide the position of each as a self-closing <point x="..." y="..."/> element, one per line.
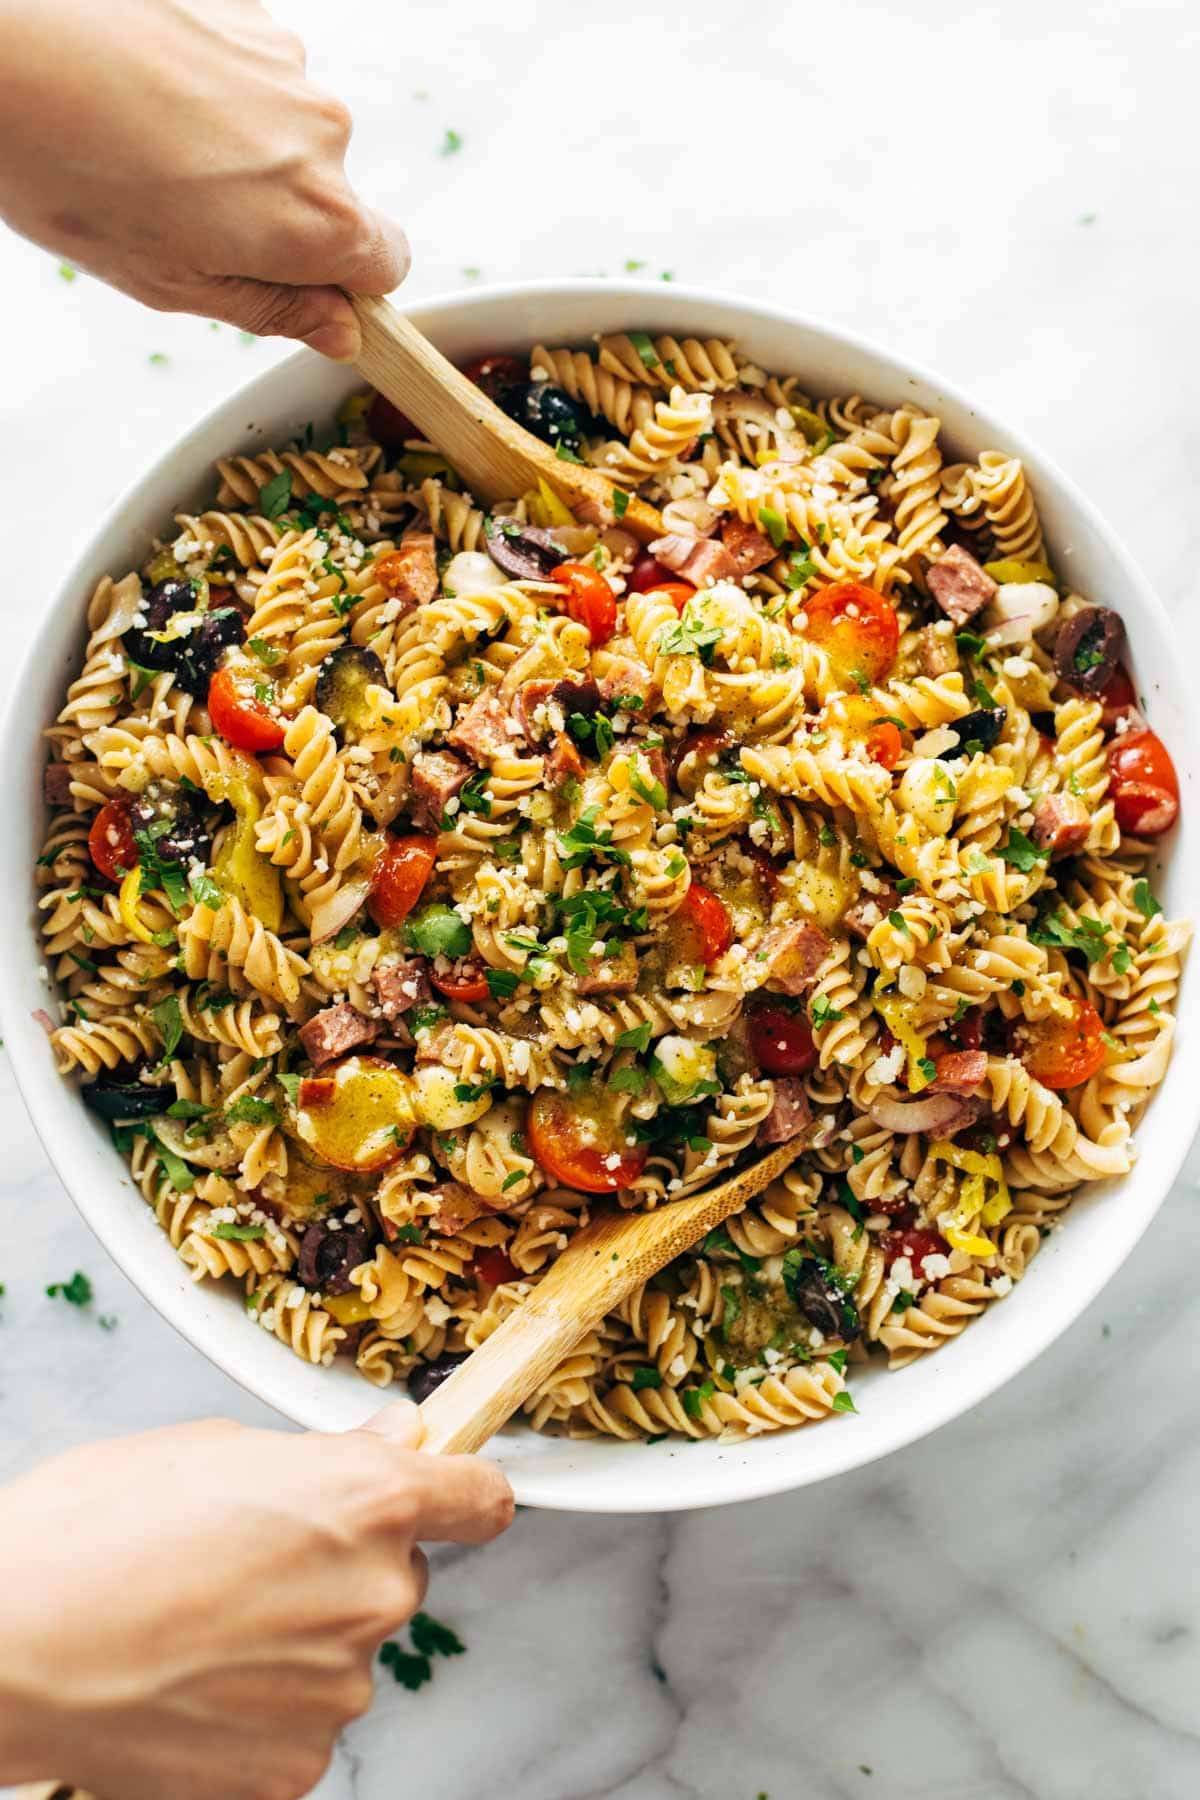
<point x="335" y="114"/>
<point x="353" y="1695"/>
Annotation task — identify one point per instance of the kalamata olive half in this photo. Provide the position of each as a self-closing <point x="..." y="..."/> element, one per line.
<point x="814" y="1289"/>
<point x="526" y="552"/>
<point x="548" y="411"/>
<point x="161" y="604"/>
<point x="342" y="685"/>
<point x="194" y="656"/>
<point x="979" y="729"/>
<point x="1089" y="646"/>
<point x="117" y="1101"/>
<point x="327" y="1257"/>
<point x="427" y="1376"/>
<point x="187" y="835"/>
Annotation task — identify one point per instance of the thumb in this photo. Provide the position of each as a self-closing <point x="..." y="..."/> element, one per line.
<point x="400" y="1422"/>
<point x="320" y="317"/>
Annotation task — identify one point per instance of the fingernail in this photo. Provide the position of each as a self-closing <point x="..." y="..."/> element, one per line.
<point x="338" y="340"/>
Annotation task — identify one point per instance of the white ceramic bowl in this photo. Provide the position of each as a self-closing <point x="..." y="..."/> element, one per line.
<point x="600" y="1476"/>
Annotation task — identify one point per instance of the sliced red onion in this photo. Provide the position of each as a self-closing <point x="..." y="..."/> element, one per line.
<point x="939" y="1114"/>
<point x="331" y="915"/>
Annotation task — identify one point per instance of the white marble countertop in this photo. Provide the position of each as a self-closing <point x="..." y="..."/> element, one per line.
<point x="1009" y="1609"/>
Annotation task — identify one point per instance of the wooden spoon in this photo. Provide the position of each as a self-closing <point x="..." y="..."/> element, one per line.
<point x="603" y="1263"/>
<point x="497" y="458"/>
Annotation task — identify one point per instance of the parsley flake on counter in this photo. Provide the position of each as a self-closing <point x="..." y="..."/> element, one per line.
<point x="451" y="143"/>
<point x="76" y="1292"/>
<point x="413" y="1668"/>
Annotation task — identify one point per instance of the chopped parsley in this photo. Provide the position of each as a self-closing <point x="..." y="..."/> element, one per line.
<point x="249" y="1111"/>
<point x="76" y="1292"/>
<point x="169" y="1024"/>
<point x="984" y="696"/>
<point x="1021" y="852"/>
<point x="452" y="143"/>
<point x="502" y="983"/>
<point x="1090" y="936"/>
<point x="241" y="1234"/>
<point x="467" y="1091"/>
<point x="1144" y="900"/>
<point x="694" y="1398"/>
<point x="637" y="1038"/>
<point x="690" y="636"/>
<point x="843" y="1403"/>
<point x="644" y="345"/>
<point x="206" y="892"/>
<point x="645" y="1378"/>
<point x="273" y="498"/>
<point x="823" y="1012"/>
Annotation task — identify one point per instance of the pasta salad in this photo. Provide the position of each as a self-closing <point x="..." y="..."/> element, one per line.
<point x="420" y="878"/>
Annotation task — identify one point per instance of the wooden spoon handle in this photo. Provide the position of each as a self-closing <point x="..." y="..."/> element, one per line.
<point x="602" y="1264"/>
<point x="497" y="458"/>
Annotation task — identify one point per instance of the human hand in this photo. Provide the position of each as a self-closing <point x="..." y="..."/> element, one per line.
<point x="195" y="1611"/>
<point x="177" y="151"/>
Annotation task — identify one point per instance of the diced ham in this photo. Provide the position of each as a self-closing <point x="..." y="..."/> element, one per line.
<point x="959" y="584"/>
<point x="335" y="1031"/>
<point x="457" y="1207"/>
<point x="564" y="762"/>
<point x="611" y="974"/>
<point x="56" y="784"/>
<point x="484" y="730"/>
<point x="399" y="986"/>
<point x="1060" y="824"/>
<point x="749" y="549"/>
<point x="437" y="775"/>
<point x="937" y="652"/>
<point x="790" y="1113"/>
<point x="861" y="918"/>
<point x="627" y="678"/>
<point x="698" y="560"/>
<point x="412" y="570"/>
<point x="958" y="1072"/>
<point x="794" y="953"/>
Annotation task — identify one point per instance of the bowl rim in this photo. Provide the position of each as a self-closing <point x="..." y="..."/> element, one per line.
<point x="718" y="1480"/>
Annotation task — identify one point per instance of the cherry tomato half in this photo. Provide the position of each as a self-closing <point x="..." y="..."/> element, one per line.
<point x="781" y="1041"/>
<point x="1117" y="696"/>
<point x="388" y="425"/>
<point x="855" y="626"/>
<point x="579" y="1140"/>
<point x="677" y="592"/>
<point x="466" y="981"/>
<point x="110" y="841"/>
<point x="590" y="600"/>
<point x="1062" y="1052"/>
<point x="495" y="373"/>
<point x="240" y="717"/>
<point x="1143" y="784"/>
<point x="493" y="1268"/>
<point x="707" y="918"/>
<point x="913" y="1243"/>
<point x="648" y="572"/>
<point x="398" y="878"/>
<point x="885" y="745"/>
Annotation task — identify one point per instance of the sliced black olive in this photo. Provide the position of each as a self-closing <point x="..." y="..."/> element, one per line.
<point x="1089" y="647"/>
<point x="160" y="605"/>
<point x="193" y="656"/>
<point x="188" y="833"/>
<point x="815" y="1292"/>
<point x="327" y="1257"/>
<point x="427" y="1376"/>
<point x="548" y="411"/>
<point x="526" y="552"/>
<point x="117" y="1101"/>
<point x="979" y="730"/>
<point x="342" y="685"/>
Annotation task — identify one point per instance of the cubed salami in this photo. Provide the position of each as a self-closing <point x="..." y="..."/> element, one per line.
<point x="959" y="584"/>
<point x="336" y="1031"/>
